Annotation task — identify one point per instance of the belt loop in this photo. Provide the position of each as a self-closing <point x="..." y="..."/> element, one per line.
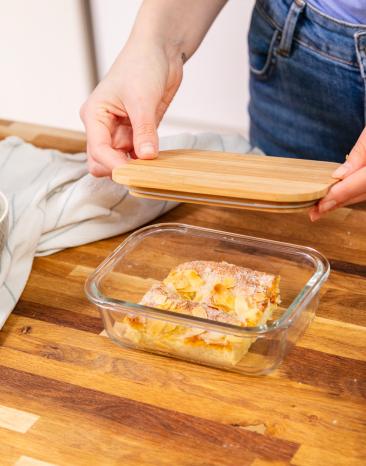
<point x="296" y="8"/>
<point x="360" y="43"/>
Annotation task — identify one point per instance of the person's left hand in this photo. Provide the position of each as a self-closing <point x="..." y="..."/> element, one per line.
<point x="352" y="187"/>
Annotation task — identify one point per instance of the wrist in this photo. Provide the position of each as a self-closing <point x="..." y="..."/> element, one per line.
<point x="171" y="45"/>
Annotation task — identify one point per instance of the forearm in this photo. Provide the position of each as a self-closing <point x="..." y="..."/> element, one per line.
<point x="122" y="114"/>
<point x="179" y="26"/>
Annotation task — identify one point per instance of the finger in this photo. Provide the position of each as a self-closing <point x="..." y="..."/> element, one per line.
<point x="355" y="200"/>
<point x="144" y="128"/>
<point x="96" y="169"/>
<point x="314" y="213"/>
<point x="355" y="160"/>
<point x="350" y="187"/>
<point x="122" y="138"/>
<point x="100" y="144"/>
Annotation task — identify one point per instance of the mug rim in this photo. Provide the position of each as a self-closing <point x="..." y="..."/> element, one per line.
<point x="4" y="201"/>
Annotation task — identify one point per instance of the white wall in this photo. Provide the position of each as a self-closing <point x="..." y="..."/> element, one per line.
<point x="214" y="93"/>
<point x="45" y="69"/>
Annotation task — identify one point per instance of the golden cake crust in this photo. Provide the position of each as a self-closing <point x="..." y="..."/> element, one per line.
<point x="162" y="297"/>
<point x="216" y="291"/>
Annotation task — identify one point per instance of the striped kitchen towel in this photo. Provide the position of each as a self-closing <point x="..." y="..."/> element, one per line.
<point x="55" y="204"/>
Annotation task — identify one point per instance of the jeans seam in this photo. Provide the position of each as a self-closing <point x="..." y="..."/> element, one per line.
<point x="326" y="55"/>
<point x="269" y="60"/>
<point x="304" y="44"/>
<point x="266" y="17"/>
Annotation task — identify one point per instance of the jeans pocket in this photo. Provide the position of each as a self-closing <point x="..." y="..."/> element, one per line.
<point x="263" y="39"/>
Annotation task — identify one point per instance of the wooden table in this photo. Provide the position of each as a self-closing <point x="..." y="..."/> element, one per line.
<point x="81" y="400"/>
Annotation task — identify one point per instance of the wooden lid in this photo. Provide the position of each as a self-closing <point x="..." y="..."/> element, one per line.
<point x="228" y="175"/>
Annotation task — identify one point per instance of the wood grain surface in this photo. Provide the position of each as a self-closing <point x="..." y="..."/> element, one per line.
<point x="69" y="396"/>
<point x="223" y="174"/>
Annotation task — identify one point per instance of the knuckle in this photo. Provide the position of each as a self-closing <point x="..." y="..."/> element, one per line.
<point x="97" y="153"/>
<point x="87" y="109"/>
<point x="83" y="110"/>
<point x="341" y="194"/>
<point x="94" y="169"/>
<point x="362" y="150"/>
<point x="358" y="153"/>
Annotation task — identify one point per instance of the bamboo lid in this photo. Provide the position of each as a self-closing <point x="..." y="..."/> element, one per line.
<point x="228" y="179"/>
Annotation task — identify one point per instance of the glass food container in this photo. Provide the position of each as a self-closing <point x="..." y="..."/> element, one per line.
<point x="148" y="255"/>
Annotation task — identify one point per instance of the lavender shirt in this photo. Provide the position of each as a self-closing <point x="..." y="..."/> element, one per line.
<point x="351" y="11"/>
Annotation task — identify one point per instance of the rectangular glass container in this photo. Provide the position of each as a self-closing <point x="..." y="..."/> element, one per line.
<point x="148" y="255"/>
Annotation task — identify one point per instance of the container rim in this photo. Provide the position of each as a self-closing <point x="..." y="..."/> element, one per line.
<point x="311" y="287"/>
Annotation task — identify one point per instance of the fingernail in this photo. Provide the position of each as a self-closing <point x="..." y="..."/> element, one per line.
<point x="342" y="170"/>
<point x="147" y="149"/>
<point x="325" y="206"/>
<point x="312" y="215"/>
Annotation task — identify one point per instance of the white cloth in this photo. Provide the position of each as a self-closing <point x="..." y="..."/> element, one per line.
<point x="55" y="204"/>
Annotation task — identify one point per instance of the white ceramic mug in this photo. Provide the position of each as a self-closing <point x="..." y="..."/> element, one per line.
<point x="4" y="219"/>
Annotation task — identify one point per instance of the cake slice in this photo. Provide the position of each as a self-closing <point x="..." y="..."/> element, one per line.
<point x="216" y="291"/>
<point x="249" y="295"/>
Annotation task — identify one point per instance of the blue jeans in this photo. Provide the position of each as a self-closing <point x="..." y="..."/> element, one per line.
<point x="307" y="81"/>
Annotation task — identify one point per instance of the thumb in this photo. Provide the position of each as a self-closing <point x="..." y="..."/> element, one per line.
<point x="144" y="129"/>
<point x="355" y="160"/>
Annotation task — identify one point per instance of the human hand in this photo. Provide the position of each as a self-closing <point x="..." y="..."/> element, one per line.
<point x="352" y="187"/>
<point x="122" y="114"/>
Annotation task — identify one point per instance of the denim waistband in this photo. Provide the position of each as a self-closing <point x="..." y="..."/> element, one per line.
<point x="328" y="36"/>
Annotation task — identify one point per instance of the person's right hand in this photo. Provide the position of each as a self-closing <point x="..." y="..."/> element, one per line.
<point x="122" y="114"/>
